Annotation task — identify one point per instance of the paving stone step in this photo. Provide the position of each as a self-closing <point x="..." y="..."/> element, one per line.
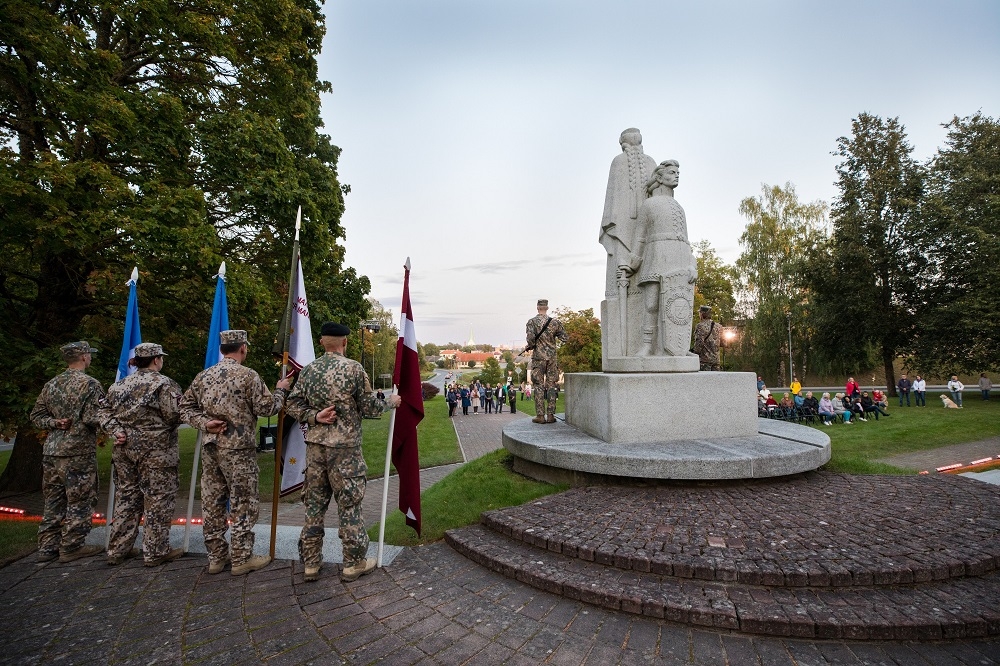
<point x="813" y="530"/>
<point x="955" y="608"/>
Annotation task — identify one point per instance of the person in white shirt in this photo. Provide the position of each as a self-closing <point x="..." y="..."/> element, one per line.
<point x="956" y="387"/>
<point x="920" y="391"/>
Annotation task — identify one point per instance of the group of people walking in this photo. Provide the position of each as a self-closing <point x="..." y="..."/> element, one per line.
<point x="478" y="395"/>
<point x="143" y="411"/>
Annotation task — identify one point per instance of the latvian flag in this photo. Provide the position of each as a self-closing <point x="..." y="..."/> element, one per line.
<point x="406" y="377"/>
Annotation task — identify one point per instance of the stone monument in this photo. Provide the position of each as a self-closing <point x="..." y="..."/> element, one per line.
<point x="651" y="413"/>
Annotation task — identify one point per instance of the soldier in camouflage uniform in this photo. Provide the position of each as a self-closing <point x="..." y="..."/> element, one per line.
<point x="331" y="395"/>
<point x="707" y="335"/>
<point x="542" y="333"/>
<point x="224" y="402"/>
<point x="71" y="408"/>
<point x="147" y="406"/>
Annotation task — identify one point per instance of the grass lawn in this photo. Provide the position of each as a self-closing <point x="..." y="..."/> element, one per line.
<point x="856" y="447"/>
<point x="483" y="484"/>
<point x="17" y="539"/>
<point x="438" y="441"/>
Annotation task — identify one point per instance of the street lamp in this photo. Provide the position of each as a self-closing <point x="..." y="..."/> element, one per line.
<point x="374" y="326"/>
<point x="791" y="374"/>
<point x="373" y="361"/>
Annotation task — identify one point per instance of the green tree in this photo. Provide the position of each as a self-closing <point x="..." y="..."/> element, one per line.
<point x="491" y="374"/>
<point x="959" y="235"/>
<point x="168" y="136"/>
<point x="508" y="357"/>
<point x="780" y="232"/>
<point x="862" y="281"/>
<point x="582" y="352"/>
<point x="472" y="364"/>
<point x="716" y="284"/>
<point x="431" y="349"/>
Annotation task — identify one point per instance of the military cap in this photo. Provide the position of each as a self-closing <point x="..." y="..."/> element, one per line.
<point x="74" y="349"/>
<point x="543" y="302"/>
<point x="233" y="337"/>
<point x="149" y="350"/>
<point x="334" y="330"/>
<point x="705" y="308"/>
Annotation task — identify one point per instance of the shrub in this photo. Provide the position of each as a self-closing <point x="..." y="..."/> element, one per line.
<point x="429" y="390"/>
<point x="472" y="364"/>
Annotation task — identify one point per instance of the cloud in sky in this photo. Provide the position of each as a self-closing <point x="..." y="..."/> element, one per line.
<point x="477" y="136"/>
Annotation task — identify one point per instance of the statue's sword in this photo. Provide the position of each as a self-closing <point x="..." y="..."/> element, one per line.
<point x="623" y="313"/>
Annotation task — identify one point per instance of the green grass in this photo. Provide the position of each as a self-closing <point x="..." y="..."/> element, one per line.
<point x="17" y="539"/>
<point x="482" y="485"/>
<point x="436" y="435"/>
<point x="857" y="448"/>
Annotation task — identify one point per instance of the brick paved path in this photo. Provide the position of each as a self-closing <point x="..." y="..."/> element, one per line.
<point x="432" y="606"/>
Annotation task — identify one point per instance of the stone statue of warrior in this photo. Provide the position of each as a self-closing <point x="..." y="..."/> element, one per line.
<point x="665" y="267"/>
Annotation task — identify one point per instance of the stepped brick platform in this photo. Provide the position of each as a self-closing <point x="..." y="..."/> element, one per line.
<point x="817" y="555"/>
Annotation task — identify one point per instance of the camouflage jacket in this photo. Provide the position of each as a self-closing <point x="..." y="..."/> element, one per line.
<point x="77" y="396"/>
<point x="147" y="406"/>
<point x="545" y="347"/>
<point x="706" y="339"/>
<point x="334" y="380"/>
<point x="232" y="393"/>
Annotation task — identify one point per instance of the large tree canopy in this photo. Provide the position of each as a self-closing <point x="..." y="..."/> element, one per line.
<point x="170" y="136"/>
<point x="959" y="234"/>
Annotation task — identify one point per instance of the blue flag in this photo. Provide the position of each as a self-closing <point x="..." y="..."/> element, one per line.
<point x="132" y="335"/>
<point x="220" y="319"/>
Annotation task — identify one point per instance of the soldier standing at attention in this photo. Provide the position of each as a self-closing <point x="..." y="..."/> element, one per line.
<point x="71" y="407"/>
<point x="147" y="406"/>
<point x="706" y="339"/>
<point x="224" y="401"/>
<point x="542" y="332"/>
<point x="331" y="395"/>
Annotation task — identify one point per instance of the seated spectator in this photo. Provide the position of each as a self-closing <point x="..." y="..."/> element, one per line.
<point x="787" y="406"/>
<point x="825" y="409"/>
<point x="868" y="405"/>
<point x="810" y="406"/>
<point x="772" y="406"/>
<point x="880" y="399"/>
<point x="764" y="393"/>
<point x="761" y="406"/>
<point x="842" y="408"/>
<point x="799" y="405"/>
<point x="857" y="409"/>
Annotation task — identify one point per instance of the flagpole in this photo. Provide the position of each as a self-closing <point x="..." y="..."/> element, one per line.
<point x="133" y="282"/>
<point x="197" y="442"/>
<point x="276" y="483"/>
<point x="388" y="453"/>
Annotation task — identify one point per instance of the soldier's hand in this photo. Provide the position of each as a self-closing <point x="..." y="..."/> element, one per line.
<point x="394" y="401"/>
<point x="215" y="426"/>
<point x="120" y="438"/>
<point x="327" y="416"/>
<point x="64" y="424"/>
<point x="285" y="383"/>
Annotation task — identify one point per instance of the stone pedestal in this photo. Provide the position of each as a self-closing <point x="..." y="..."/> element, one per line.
<point x="662" y="407"/>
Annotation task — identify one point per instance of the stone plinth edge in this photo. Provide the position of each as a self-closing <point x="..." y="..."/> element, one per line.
<point x="651" y="407"/>
<point x="651" y="364"/>
<point x="561" y="452"/>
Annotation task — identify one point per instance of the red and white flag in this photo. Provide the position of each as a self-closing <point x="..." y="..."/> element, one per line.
<point x="406" y="377"/>
<point x="300" y="354"/>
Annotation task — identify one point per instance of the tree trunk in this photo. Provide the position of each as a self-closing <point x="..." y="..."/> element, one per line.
<point x="890" y="373"/>
<point x="23" y="473"/>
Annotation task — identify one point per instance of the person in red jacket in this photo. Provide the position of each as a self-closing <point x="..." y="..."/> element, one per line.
<point x="852" y="389"/>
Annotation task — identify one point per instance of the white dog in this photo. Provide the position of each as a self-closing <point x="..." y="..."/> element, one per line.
<point x="948" y="402"/>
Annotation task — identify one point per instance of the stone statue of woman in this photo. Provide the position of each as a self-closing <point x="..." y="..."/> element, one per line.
<point x="665" y="267"/>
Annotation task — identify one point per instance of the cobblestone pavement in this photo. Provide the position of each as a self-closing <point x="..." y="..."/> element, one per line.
<point x="432" y="606"/>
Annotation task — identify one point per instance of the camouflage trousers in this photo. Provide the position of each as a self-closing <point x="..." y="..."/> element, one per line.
<point x="229" y="475"/>
<point x="147" y="490"/>
<point x="69" y="487"/>
<point x="339" y="473"/>
<point x="545" y="380"/>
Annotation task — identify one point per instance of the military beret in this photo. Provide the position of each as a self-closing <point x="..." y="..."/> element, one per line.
<point x="233" y="337"/>
<point x="74" y="349"/>
<point x="149" y="350"/>
<point x="334" y="330"/>
<point x="543" y="302"/>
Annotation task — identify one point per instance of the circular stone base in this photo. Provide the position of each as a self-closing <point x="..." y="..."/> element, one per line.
<point x="778" y="449"/>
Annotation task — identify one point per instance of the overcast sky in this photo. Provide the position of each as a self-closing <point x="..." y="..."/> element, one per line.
<point x="477" y="135"/>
